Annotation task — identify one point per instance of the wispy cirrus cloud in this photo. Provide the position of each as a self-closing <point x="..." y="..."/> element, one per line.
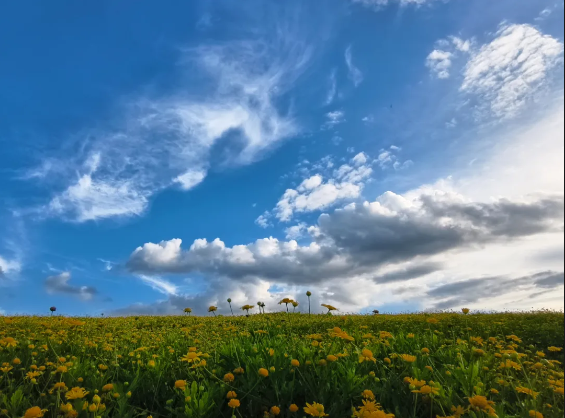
<point x="354" y="73"/>
<point x="169" y="141"/>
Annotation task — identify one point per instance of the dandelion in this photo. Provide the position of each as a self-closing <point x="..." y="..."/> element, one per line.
<point x="555" y="349"/>
<point x="524" y="390"/>
<point x="228" y="377"/>
<point x="315" y="410"/>
<point x="366" y="355"/>
<point x="535" y="414"/>
<point x="293" y="408"/>
<point x="234" y="403"/>
<point x="34" y="412"/>
<point x="231" y="395"/>
<point x="76" y="393"/>
<point x="368" y="394"/>
<point x="212" y="309"/>
<point x="408" y="358"/>
<point x="263" y="372"/>
<point x="294" y="363"/>
<point x="331" y="358"/>
<point x="329" y="307"/>
<point x="466" y="311"/>
<point x="275" y="410"/>
<point x="108" y="387"/>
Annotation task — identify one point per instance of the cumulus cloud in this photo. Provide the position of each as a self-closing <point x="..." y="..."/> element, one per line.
<point x="506" y="72"/>
<point x="439" y="62"/>
<point x="345" y="183"/>
<point x="361" y="238"/>
<point x="354" y="74"/>
<point x="60" y="284"/>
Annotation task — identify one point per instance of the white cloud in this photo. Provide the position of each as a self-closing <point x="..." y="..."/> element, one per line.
<point x="506" y="72"/>
<point x="360" y="159"/>
<point x="321" y="197"/>
<point x="313" y="194"/>
<point x="160" y="285"/>
<point x="59" y="284"/>
<point x="439" y="62"/>
<point x="379" y="4"/>
<point x="332" y="89"/>
<point x="169" y="140"/>
<point x="334" y="118"/>
<point x="296" y="231"/>
<point x="354" y="74"/>
<point x="264" y="220"/>
<point x="454" y="242"/>
<point x="463" y="45"/>
<point x="9" y="266"/>
<point x="191" y="179"/>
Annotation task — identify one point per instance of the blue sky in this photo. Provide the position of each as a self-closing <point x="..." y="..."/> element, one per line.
<point x="400" y="155"/>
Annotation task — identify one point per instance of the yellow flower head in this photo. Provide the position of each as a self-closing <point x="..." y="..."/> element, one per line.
<point x="315" y="410"/>
<point x="76" y="393"/>
<point x="34" y="412"/>
<point x="234" y="403"/>
<point x="263" y="372"/>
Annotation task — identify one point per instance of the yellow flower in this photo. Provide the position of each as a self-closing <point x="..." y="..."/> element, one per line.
<point x="231" y="395"/>
<point x="555" y="349"/>
<point x="228" y="377"/>
<point x="8" y="342"/>
<point x="427" y="390"/>
<point x="107" y="388"/>
<point x="180" y="384"/>
<point x="263" y="372"/>
<point x="466" y="310"/>
<point x="530" y="392"/>
<point x="331" y="358"/>
<point x="408" y="358"/>
<point x="275" y="410"/>
<point x="293" y="408"/>
<point x="315" y="410"/>
<point x="233" y="403"/>
<point x="294" y="363"/>
<point x="76" y="393"/>
<point x="16" y="361"/>
<point x="535" y="414"/>
<point x="368" y="394"/>
<point x="34" y="412"/>
<point x="367" y="355"/>
<point x="481" y="403"/>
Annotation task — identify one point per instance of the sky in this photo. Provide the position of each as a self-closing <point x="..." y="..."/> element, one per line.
<point x="399" y="155"/>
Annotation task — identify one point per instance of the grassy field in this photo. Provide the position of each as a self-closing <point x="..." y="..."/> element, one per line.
<point x="285" y="365"/>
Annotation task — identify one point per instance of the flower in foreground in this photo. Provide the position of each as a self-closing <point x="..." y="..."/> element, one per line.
<point x="34" y="412"/>
<point x="180" y="384"/>
<point x="315" y="410"/>
<point x="76" y="393"/>
<point x="233" y="403"/>
<point x="535" y="414"/>
<point x="263" y="372"/>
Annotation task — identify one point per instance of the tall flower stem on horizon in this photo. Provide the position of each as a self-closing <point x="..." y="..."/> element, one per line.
<point x="308" y="293"/>
<point x="229" y="301"/>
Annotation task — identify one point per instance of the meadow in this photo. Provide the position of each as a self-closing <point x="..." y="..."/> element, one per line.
<point x="296" y="365"/>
